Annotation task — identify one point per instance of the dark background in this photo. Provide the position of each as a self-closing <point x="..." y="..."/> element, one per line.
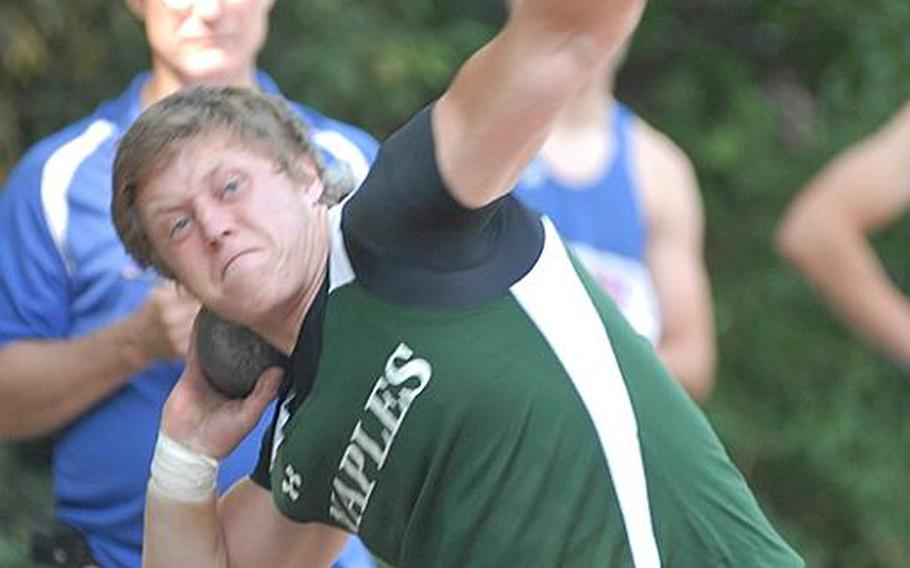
<point x="760" y="94"/>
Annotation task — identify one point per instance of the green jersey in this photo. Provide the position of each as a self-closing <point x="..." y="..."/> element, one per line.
<point x="469" y="406"/>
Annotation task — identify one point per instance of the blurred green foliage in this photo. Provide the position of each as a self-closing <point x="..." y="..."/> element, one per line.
<point x="760" y="94"/>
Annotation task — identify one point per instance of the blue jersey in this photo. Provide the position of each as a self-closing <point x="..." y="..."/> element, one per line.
<point x="602" y="222"/>
<point x="64" y="273"/>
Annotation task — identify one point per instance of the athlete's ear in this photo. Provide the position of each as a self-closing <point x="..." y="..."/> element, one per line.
<point x="314" y="190"/>
<point x="137" y="7"/>
<point x="313" y="185"/>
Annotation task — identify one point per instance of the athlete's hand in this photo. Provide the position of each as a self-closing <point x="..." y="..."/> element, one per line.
<point x="203" y="420"/>
<point x="164" y="323"/>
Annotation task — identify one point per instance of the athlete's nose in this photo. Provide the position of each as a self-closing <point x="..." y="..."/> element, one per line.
<point x="215" y="222"/>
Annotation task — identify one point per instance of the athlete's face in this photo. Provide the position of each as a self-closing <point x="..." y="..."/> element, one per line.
<point x="204" y="40"/>
<point x="241" y="234"/>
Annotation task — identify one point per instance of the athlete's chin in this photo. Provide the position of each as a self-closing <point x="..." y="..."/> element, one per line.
<point x="244" y="305"/>
<point x="209" y="66"/>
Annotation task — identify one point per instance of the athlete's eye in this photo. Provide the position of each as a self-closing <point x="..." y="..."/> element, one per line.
<point x="231" y="187"/>
<point x="179" y="226"/>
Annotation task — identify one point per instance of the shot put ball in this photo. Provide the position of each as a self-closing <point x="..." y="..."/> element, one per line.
<point x="231" y="355"/>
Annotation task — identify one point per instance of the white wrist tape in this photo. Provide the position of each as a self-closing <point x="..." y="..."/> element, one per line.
<point x="180" y="474"/>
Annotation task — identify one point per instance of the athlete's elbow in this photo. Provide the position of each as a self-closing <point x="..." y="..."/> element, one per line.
<point x="699" y="385"/>
<point x="692" y="363"/>
<point x="795" y="237"/>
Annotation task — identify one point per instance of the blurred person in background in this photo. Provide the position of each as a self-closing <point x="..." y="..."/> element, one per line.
<point x="825" y="234"/>
<point x="91" y="344"/>
<point x="626" y="199"/>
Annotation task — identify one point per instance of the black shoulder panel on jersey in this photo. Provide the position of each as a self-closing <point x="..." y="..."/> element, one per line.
<point x="410" y="242"/>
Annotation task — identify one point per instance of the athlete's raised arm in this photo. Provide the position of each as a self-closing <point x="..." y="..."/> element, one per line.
<point x="498" y="110"/>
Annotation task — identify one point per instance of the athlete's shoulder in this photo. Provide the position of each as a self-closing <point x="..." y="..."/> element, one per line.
<point x="656" y="148"/>
<point x="666" y="175"/>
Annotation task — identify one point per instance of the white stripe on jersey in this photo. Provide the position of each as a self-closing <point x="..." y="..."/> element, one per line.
<point x="284" y="415"/>
<point x="56" y="177"/>
<point x="340" y="270"/>
<point x="554" y="298"/>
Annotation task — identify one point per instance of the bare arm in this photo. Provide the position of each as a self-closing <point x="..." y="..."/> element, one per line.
<point x="496" y="114"/>
<point x="46" y="384"/>
<point x="243" y="529"/>
<point x="824" y="234"/>
<point x="675" y="258"/>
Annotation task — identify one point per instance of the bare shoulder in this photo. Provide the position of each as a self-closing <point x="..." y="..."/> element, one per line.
<point x="666" y="175"/>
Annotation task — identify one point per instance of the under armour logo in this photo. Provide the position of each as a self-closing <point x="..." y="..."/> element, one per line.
<point x="291" y="483"/>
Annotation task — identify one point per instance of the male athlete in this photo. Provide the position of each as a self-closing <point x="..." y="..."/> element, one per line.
<point x="460" y="394"/>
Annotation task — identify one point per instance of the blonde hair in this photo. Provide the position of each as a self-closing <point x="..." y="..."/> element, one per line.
<point x="260" y="121"/>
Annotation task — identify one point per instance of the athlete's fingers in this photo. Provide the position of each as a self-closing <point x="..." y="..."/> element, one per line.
<point x="262" y="394"/>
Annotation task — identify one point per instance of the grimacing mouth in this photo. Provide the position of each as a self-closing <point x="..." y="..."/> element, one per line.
<point x="233" y="258"/>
